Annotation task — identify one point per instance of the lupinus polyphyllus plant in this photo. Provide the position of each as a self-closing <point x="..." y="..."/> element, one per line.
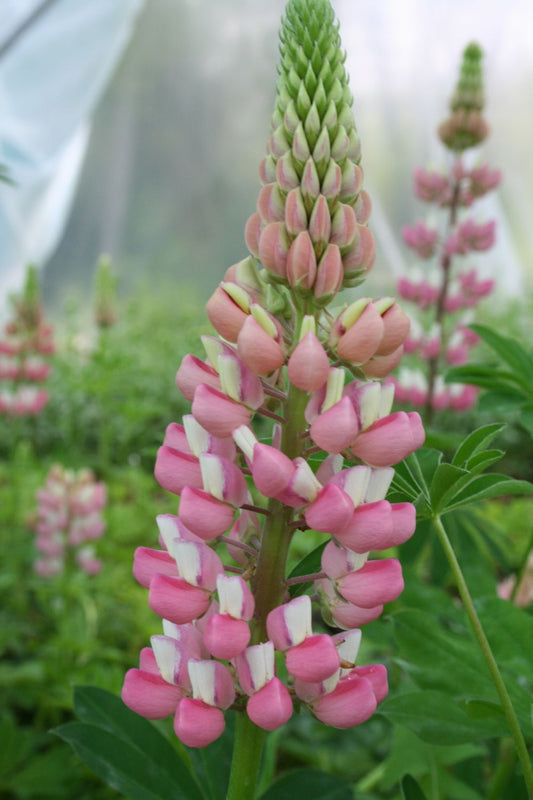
<point x="24" y="353"/>
<point x="448" y="291"/>
<point x="231" y="614"/>
<point x="67" y="520"/>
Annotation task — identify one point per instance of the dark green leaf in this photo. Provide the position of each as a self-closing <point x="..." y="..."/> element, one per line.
<point x="437" y="719"/>
<point x="212" y="764"/>
<point x="487" y="377"/>
<point x="442" y="488"/>
<point x="475" y="442"/>
<point x="484" y="487"/>
<point x="482" y="461"/>
<point x="480" y="709"/>
<point x="309" y="784"/>
<point x="124" y="767"/>
<point x="520" y="361"/>
<point x="411" y="790"/>
<point x="307" y="566"/>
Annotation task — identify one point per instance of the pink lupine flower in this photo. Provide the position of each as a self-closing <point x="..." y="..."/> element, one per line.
<point x="280" y="354"/>
<point x="431" y="186"/>
<point x="69" y="514"/>
<point x="421" y="239"/>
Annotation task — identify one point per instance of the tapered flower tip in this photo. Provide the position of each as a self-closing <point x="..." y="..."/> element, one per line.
<point x="363" y="337"/>
<point x="330" y="273"/>
<point x="338" y="561"/>
<point x="315" y="659"/>
<point x="308" y="366"/>
<point x="377" y="675"/>
<point x="176" y="437"/>
<point x="271" y="203"/>
<point x="389" y="440"/>
<point x="381" y="366"/>
<point x="226" y="637"/>
<point x="252" y="232"/>
<point x="403" y="523"/>
<point x="196" y="724"/>
<point x="301" y="262"/>
<point x="203" y="514"/>
<point x="227" y="316"/>
<point x="272" y="470"/>
<point x="331" y="511"/>
<point x="175" y="469"/>
<point x="271" y="706"/>
<point x="274" y="248"/>
<point x="290" y="624"/>
<point x="350" y="703"/>
<point x="217" y="413"/>
<point x="397" y="325"/>
<point x="192" y="372"/>
<point x="255" y="666"/>
<point x="260" y="352"/>
<point x="359" y="258"/>
<point x="370" y="528"/>
<point x="176" y="600"/>
<point x="376" y="583"/>
<point x="148" y="562"/>
<point x="149" y="695"/>
<point x="335" y="429"/>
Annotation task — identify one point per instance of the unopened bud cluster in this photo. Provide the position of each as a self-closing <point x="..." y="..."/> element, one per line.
<point x="445" y="287"/>
<point x="231" y="614"/>
<point x="25" y="348"/>
<point x="68" y="518"/>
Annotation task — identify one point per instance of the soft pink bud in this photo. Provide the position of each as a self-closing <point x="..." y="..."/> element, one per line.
<point x="192" y="373"/>
<point x="396" y="330"/>
<point x="432" y="187"/>
<point x="308" y="366"/>
<point x="226" y="637"/>
<point x="272" y="470"/>
<point x="295" y="213"/>
<point x="225" y="315"/>
<point x="274" y="248"/>
<point x="352" y="180"/>
<point x="301" y="262"/>
<point x="271" y="203"/>
<point x="331" y="511"/>
<point x="336" y="429"/>
<point x="314" y="659"/>
<point x="390" y="439"/>
<point x="290" y="624"/>
<point x="252" y="232"/>
<point x="376" y="583"/>
<point x="421" y="239"/>
<point x="331" y="184"/>
<point x="377" y="675"/>
<point x="362" y="207"/>
<point x="320" y="222"/>
<point x="361" y="255"/>
<point x="148" y="562"/>
<point x="271" y="706"/>
<point x="286" y="175"/>
<point x="259" y="351"/>
<point x="362" y="338"/>
<point x="174" y="470"/>
<point x="267" y="170"/>
<point x="197" y="724"/>
<point x="203" y="514"/>
<point x="300" y="146"/>
<point x="350" y="703"/>
<point x="216" y="412"/>
<point x="330" y="273"/>
<point x="343" y="225"/>
<point x="149" y="695"/>
<point x="381" y="366"/>
<point x="310" y="183"/>
<point x="176" y="600"/>
<point x="278" y="143"/>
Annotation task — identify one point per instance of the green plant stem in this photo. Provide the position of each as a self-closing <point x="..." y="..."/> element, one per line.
<point x="512" y="721"/>
<point x="269" y="588"/>
<point x="247" y="750"/>
<point x="503" y="771"/>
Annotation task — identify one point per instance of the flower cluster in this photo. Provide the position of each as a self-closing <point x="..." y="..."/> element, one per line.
<point x="233" y="620"/>
<point x="448" y="290"/>
<point x="68" y="516"/>
<point x="24" y="348"/>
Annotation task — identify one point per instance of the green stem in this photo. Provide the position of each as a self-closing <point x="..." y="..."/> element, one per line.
<point x="247" y="751"/>
<point x="269" y="588"/>
<point x="503" y="771"/>
<point x="508" y="710"/>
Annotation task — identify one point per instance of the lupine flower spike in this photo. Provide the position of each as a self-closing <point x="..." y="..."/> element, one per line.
<point x="68" y="520"/>
<point x="219" y="577"/>
<point x="448" y="294"/>
<point x="24" y="353"/>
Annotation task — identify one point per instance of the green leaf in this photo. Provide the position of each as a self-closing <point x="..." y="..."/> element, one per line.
<point x="484" y="487"/>
<point x="309" y="784"/>
<point x="526" y="418"/>
<point x="411" y="790"/>
<point x="443" y="486"/>
<point x="122" y="766"/>
<point x="510" y="351"/>
<point x="482" y="461"/>
<point x="137" y="739"/>
<point x="437" y="719"/>
<point x="481" y="709"/>
<point x="307" y="566"/>
<point x="475" y="442"/>
<point x="487" y="377"/>
<point x="212" y="764"/>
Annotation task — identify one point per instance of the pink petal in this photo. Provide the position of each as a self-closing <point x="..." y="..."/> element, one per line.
<point x="350" y="703"/>
<point x="377" y="675"/>
<point x="271" y="706"/>
<point x="376" y="583"/>
<point x="176" y="600"/>
<point x="225" y="315"/>
<point x="148" y="562"/>
<point x="336" y="429"/>
<point x="389" y="440"/>
<point x="192" y="372"/>
<point x="370" y="528"/>
<point x="217" y="413"/>
<point x="203" y="514"/>
<point x="315" y="659"/>
<point x="308" y="366"/>
<point x="226" y="637"/>
<point x="174" y="470"/>
<point x="149" y="695"/>
<point x="331" y="511"/>
<point x="362" y="339"/>
<point x="259" y="351"/>
<point x="272" y="470"/>
<point x="196" y="724"/>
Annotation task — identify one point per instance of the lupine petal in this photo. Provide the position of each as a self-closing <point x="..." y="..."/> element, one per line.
<point x="271" y="706"/>
<point x="315" y="659"/>
<point x="197" y="724"/>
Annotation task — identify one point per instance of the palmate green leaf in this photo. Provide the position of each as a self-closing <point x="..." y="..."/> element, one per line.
<point x="446" y="482"/>
<point x="309" y="784"/>
<point x="520" y="361"/>
<point x="125" y="750"/>
<point x="485" y="487"/>
<point x="310" y="564"/>
<point x="437" y="719"/>
<point x="475" y="443"/>
<point x="411" y="790"/>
